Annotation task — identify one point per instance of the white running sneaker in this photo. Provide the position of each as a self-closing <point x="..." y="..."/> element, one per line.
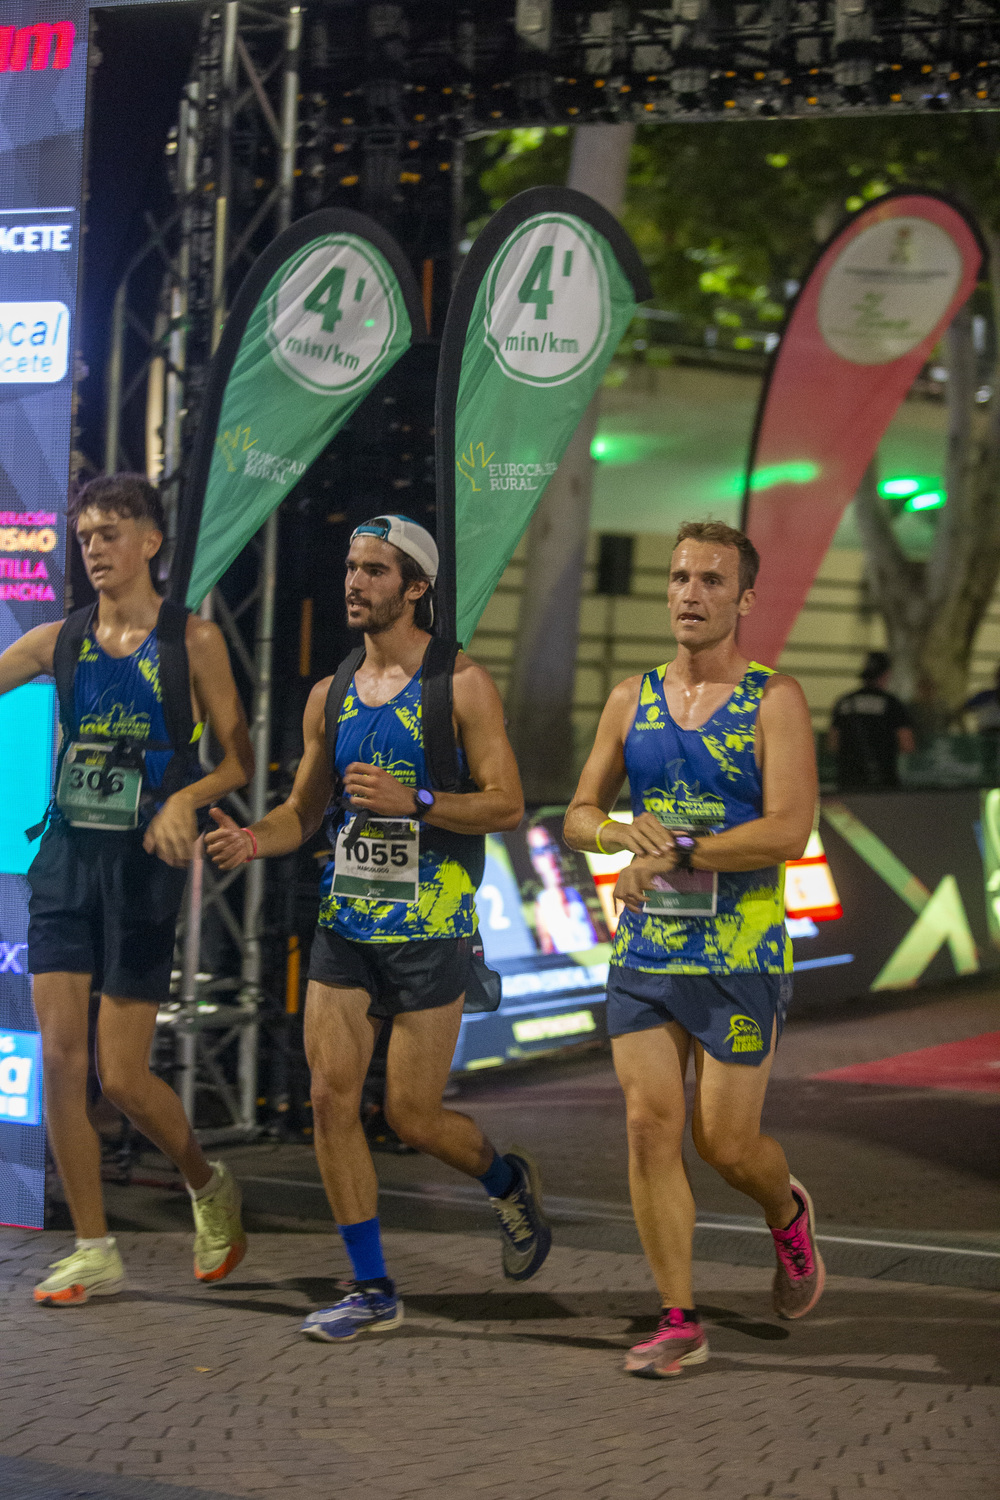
<point x="84" y="1274"/>
<point x="219" y="1241"/>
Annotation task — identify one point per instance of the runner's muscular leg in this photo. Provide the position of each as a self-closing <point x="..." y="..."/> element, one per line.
<point x="339" y="1039"/>
<point x="421" y="1049"/>
<point x="650" y="1066"/>
<point x="62" y="1002"/>
<point x="729" y="1098"/>
<point x="124" y="1039"/>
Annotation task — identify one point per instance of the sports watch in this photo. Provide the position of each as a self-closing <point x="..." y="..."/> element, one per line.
<point x="424" y="799"/>
<point x="685" y="844"/>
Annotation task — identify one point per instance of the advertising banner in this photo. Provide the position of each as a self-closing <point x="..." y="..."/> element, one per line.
<point x="880" y="295"/>
<point x="43" y="78"/>
<point x="324" y="313"/>
<point x="541" y="304"/>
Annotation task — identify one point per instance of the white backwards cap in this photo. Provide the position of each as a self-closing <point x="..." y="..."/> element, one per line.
<point x="404" y="533"/>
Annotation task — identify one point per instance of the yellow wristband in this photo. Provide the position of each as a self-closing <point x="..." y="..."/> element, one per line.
<point x="597" y="836"/>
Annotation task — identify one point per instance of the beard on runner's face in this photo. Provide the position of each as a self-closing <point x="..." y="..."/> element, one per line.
<point x="374" y="618"/>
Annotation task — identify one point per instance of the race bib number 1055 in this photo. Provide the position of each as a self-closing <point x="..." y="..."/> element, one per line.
<point x="382" y="864"/>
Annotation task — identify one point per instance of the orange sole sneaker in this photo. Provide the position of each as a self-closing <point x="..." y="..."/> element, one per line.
<point x="236" y="1253"/>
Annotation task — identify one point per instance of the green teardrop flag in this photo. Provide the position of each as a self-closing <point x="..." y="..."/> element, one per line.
<point x="541" y="305"/>
<point x="323" y="315"/>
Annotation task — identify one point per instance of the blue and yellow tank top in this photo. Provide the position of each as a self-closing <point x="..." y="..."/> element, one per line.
<point x="705" y="778"/>
<point x="391" y="736"/>
<point x="120" y="697"/>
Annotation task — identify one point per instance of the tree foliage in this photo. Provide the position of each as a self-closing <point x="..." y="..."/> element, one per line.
<point x="728" y="218"/>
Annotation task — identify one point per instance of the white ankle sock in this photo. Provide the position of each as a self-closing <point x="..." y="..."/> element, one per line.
<point x="103" y="1242"/>
<point x="211" y="1186"/>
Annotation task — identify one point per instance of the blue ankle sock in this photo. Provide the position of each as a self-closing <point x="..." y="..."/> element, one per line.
<point x="500" y="1178"/>
<point x="363" y="1243"/>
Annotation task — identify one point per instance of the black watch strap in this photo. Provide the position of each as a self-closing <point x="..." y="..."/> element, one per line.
<point x="685" y="844"/>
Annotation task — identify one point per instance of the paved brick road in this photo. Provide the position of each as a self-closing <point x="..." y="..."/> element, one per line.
<point x="489" y="1392"/>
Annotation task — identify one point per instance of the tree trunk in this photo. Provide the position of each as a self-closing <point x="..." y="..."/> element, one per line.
<point x="540" y="693"/>
<point x="933" y="610"/>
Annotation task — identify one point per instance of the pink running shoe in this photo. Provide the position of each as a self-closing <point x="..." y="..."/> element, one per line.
<point x="801" y="1275"/>
<point x="676" y="1343"/>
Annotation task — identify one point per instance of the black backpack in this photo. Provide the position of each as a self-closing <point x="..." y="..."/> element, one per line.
<point x="443" y="773"/>
<point x="175" y="686"/>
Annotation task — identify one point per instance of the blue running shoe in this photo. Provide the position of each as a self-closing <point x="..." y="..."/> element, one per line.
<point x="527" y="1237"/>
<point x="361" y="1311"/>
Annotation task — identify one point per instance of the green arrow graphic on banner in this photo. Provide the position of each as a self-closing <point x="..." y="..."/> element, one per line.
<point x="548" y="316"/>
<point x="328" y="325"/>
<point x="941" y="915"/>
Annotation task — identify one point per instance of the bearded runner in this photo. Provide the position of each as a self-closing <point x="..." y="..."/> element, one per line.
<point x="394" y="944"/>
<point x="720" y="762"/>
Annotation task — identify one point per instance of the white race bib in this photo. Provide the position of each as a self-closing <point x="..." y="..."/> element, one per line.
<point x="383" y="863"/>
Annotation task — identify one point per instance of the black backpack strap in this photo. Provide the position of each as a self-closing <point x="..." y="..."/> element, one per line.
<point x="334" y="703"/>
<point x="65" y="657"/>
<point x="175" y="674"/>
<point x="437" y="709"/>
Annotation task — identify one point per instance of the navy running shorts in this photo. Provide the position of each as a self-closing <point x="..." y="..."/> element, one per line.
<point x="399" y="977"/>
<point x="731" y="1015"/>
<point x="101" y="905"/>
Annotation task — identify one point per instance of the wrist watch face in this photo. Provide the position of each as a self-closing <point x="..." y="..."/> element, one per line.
<point x="424" y="798"/>
<point x="684" y="840"/>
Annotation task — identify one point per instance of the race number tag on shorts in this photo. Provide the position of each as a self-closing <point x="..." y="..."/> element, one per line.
<point x="93" y="792"/>
<point x="383" y="864"/>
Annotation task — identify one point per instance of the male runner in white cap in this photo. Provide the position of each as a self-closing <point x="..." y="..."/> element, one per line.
<point x="397" y="915"/>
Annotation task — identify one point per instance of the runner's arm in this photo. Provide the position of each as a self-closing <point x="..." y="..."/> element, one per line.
<point x="602" y="779"/>
<point x="287" y="826"/>
<point x="499" y="802"/>
<point x="29" y="657"/>
<point x="172" y="833"/>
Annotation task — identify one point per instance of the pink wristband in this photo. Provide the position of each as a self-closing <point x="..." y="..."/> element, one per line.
<point x="253" y="839"/>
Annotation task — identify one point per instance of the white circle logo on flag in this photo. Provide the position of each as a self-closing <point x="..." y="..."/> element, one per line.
<point x="548" y="305"/>
<point x="332" y="319"/>
<point x="888" y="289"/>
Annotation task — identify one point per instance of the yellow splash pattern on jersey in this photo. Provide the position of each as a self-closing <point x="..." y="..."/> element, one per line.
<point x="411" y="721"/>
<point x="737" y="736"/>
<point x="445" y="908"/>
<point x="686" y="779"/>
<point x="752" y="939"/>
<point x="445" y="904"/>
<point x="149" y="668"/>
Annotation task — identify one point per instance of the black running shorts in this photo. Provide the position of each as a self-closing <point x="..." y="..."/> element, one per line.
<point x="398" y="976"/>
<point x="101" y="905"/>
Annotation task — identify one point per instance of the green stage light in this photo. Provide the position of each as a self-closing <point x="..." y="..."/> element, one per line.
<point x="626" y="447"/>
<point x="791" y="473"/>
<point x="901" y="486"/>
<point x="762" y="479"/>
<point x="929" y="500"/>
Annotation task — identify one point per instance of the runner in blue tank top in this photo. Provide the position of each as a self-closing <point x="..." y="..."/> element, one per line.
<point x="109" y="875"/>
<point x="394" y="940"/>
<point x="719" y="756"/>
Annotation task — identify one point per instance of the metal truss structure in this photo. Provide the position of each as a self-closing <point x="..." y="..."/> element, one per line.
<point x="289" y="108"/>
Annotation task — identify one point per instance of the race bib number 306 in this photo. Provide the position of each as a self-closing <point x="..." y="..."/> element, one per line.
<point x="382" y="864"/>
<point x="95" y="792"/>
